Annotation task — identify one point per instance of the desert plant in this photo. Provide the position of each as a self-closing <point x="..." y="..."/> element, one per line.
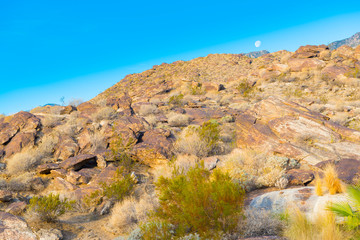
<point x="120" y="152"/>
<point x="260" y="223"/>
<point x="350" y="213"/>
<point x="196" y="89"/>
<point x="178" y="120"/>
<point x="176" y="100"/>
<point x="331" y="179"/>
<point x="323" y="228"/>
<point x="157" y="230"/>
<point x="245" y="88"/>
<point x="106" y="113"/>
<point x="318" y="185"/>
<point x="199" y="201"/>
<point x="146" y="110"/>
<point x="49" y="208"/>
<point x="121" y="186"/>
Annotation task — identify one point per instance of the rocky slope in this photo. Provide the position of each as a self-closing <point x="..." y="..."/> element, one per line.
<point x="301" y="107"/>
<point x="352" y="41"/>
<point x="256" y="54"/>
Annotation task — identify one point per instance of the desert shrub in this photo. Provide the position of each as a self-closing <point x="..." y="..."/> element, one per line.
<point x="106" y="113"/>
<point x="254" y="170"/>
<point x="261" y="223"/>
<point x="178" y="120"/>
<point x="21" y="182"/>
<point x="246" y="89"/>
<point x="176" y="100"/>
<point x="127" y="214"/>
<point x="157" y="230"/>
<point x="121" y="186"/>
<point x="323" y="228"/>
<point x="51" y="121"/>
<point x="318" y="186"/>
<point x="354" y="73"/>
<point x="97" y="141"/>
<point x="330" y="181"/>
<point x="120" y="152"/>
<point x="146" y="110"/>
<point x="196" y="89"/>
<point x="199" y="201"/>
<point x="199" y="141"/>
<point x="49" y="208"/>
<point x="30" y="158"/>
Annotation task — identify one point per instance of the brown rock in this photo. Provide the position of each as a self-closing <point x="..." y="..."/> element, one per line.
<point x="211" y="162"/>
<point x="347" y="169"/>
<point x="211" y="86"/>
<point x="12" y="227"/>
<point x="78" y="162"/>
<point x="5" y="195"/>
<point x="298" y="64"/>
<point x="16" y="208"/>
<point x="345" y="51"/>
<point x="155" y="147"/>
<point x="63" y="185"/>
<point x="333" y="71"/>
<point x="68" y="109"/>
<point x="66" y="148"/>
<point x="300" y="176"/>
<point x="87" y="108"/>
<point x="81" y="177"/>
<point x="310" y="51"/>
<point x="58" y="173"/>
<point x="19" y="141"/>
<point x="46" y="168"/>
<point x="106" y="175"/>
<point x="119" y="103"/>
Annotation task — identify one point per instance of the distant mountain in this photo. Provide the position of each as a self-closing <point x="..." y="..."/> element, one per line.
<point x="256" y="54"/>
<point x="352" y="41"/>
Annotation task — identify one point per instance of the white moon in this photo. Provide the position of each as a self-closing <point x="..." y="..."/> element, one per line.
<point x="258" y="43"/>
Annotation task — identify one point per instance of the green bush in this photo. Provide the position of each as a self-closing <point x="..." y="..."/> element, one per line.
<point x="197" y="90"/>
<point x="49" y="207"/>
<point x="122" y="185"/>
<point x="199" y="202"/>
<point x="176" y="100"/>
<point x="120" y="152"/>
<point x="157" y="230"/>
<point x="209" y="132"/>
<point x="245" y="88"/>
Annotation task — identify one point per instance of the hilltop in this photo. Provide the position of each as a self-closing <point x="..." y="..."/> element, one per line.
<point x="273" y="121"/>
<point x="352" y="41"/>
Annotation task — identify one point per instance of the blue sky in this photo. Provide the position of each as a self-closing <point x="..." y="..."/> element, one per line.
<point x="78" y="48"/>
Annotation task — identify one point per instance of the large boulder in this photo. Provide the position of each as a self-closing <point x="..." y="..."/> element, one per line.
<point x="298" y="64"/>
<point x="347" y="169"/>
<point x="286" y="128"/>
<point x="78" y="162"/>
<point x="13" y="227"/>
<point x="303" y="198"/>
<point x="310" y="51"/>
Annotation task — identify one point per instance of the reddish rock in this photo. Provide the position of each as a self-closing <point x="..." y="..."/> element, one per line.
<point x="46" y="168"/>
<point x="106" y="175"/>
<point x="211" y="162"/>
<point x="300" y="176"/>
<point x="63" y="185"/>
<point x="201" y="115"/>
<point x="155" y="147"/>
<point x="211" y="86"/>
<point x="16" y="208"/>
<point x="119" y="103"/>
<point x="5" y="196"/>
<point x="68" y="109"/>
<point x="333" y="71"/>
<point x="345" y="51"/>
<point x="19" y="141"/>
<point x="309" y="51"/>
<point x="13" y="227"/>
<point x="87" y="108"/>
<point x="298" y="64"/>
<point x="347" y="169"/>
<point x="81" y="177"/>
<point x="58" y="173"/>
<point x="78" y="162"/>
<point x="66" y="148"/>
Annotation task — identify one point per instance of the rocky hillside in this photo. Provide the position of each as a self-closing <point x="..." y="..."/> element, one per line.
<point x="352" y="41"/>
<point x="277" y="119"/>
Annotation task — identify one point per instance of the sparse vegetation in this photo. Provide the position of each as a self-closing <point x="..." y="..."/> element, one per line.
<point x="176" y="100"/>
<point x="49" y="208"/>
<point x="178" y="120"/>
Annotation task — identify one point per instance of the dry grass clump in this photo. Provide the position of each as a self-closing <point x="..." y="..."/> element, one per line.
<point x="30" y="158"/>
<point x="146" y="110"/>
<point x="330" y="182"/>
<point x="24" y="182"/>
<point x="253" y="169"/>
<point x="260" y="223"/>
<point x="127" y="214"/>
<point x="178" y="120"/>
<point x="51" y="121"/>
<point x="152" y="120"/>
<point x="323" y="228"/>
<point x="106" y="113"/>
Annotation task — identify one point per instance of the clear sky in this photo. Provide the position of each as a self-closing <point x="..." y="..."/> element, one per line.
<point x="78" y="48"/>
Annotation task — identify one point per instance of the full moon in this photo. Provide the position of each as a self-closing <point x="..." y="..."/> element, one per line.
<point x="258" y="43"/>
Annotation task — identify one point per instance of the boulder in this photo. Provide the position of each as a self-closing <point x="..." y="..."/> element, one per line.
<point x="19" y="141"/>
<point x="333" y="71"/>
<point x="49" y="234"/>
<point x="61" y="184"/>
<point x="78" y="162"/>
<point x="46" y="168"/>
<point x="298" y="64"/>
<point x="211" y="86"/>
<point x="345" y="51"/>
<point x="120" y="103"/>
<point x="300" y="176"/>
<point x="68" y="109"/>
<point x="5" y="196"/>
<point x="347" y="169"/>
<point x="16" y="208"/>
<point x="87" y="108"/>
<point x="303" y="198"/>
<point x="13" y="227"/>
<point x="66" y="148"/>
<point x="309" y="51"/>
<point x="211" y="162"/>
